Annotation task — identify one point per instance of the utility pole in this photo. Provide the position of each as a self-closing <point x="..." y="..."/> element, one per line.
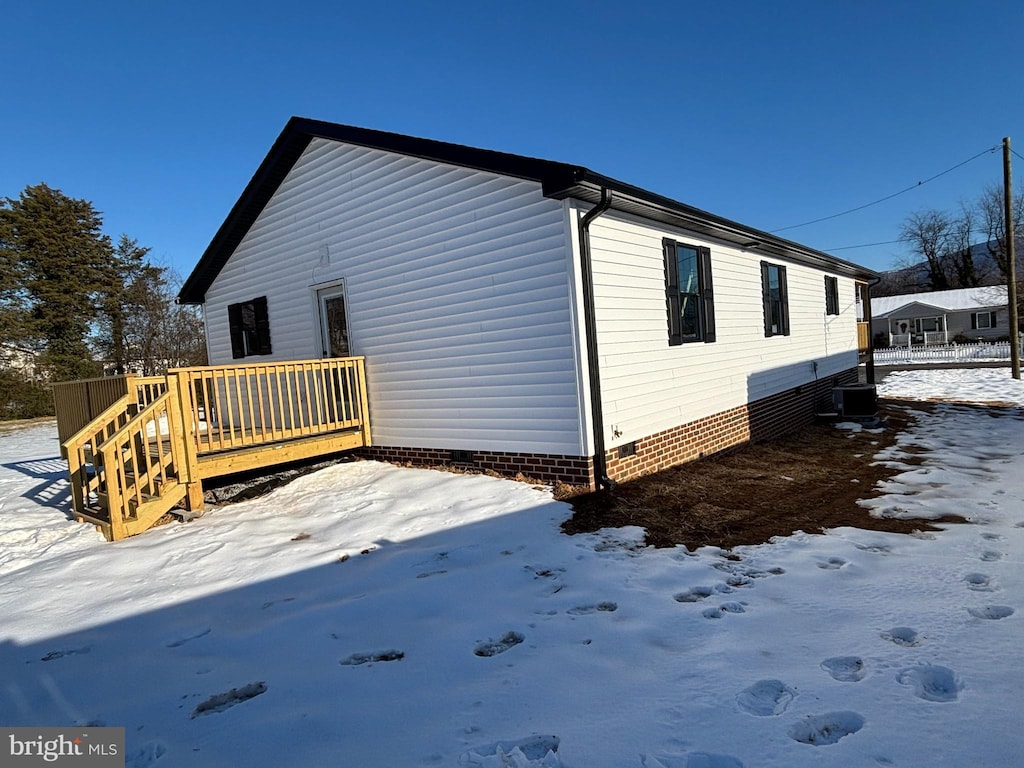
<point x="1011" y="262"/>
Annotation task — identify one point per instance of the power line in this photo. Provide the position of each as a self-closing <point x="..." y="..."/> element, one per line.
<point x="889" y="197"/>
<point x="865" y="245"/>
<point x="1016" y="153"/>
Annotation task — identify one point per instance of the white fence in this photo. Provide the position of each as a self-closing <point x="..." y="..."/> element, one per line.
<point x="946" y="353"/>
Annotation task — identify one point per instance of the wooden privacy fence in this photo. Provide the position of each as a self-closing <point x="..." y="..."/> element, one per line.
<point x="156" y="438"/>
<point x="77" y="403"/>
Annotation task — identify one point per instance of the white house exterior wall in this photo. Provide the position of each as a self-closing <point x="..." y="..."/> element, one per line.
<point x="649" y="386"/>
<point x="458" y="290"/>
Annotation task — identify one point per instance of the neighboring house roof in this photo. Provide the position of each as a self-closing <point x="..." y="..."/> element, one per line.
<point x="558" y="180"/>
<point x="958" y="300"/>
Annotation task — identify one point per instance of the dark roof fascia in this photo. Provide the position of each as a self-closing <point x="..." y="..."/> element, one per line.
<point x="558" y="180"/>
<point x="631" y="199"/>
<point x="292" y="142"/>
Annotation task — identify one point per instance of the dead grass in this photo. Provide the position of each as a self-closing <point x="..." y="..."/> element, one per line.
<point x="809" y="481"/>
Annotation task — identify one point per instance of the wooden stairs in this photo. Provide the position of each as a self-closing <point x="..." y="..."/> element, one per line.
<point x="127" y="467"/>
<point x="139" y="448"/>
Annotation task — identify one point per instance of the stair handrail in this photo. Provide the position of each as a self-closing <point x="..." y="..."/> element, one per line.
<point x="100" y="428"/>
<point x="126" y="461"/>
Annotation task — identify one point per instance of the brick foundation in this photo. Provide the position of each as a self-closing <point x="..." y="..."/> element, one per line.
<point x="546" y="467"/>
<point x="763" y="419"/>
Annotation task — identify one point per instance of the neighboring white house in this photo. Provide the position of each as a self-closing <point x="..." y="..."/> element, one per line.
<point x="522" y="314"/>
<point x="940" y="316"/>
<point x="19" y="360"/>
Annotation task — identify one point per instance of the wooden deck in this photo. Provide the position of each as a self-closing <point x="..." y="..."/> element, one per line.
<point x="139" y="447"/>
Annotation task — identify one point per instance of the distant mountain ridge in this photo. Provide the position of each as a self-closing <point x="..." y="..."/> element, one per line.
<point x="916" y="277"/>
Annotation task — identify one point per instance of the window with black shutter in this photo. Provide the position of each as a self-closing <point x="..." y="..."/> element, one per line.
<point x="250" y="328"/>
<point x="689" y="296"/>
<point x="776" y="300"/>
<point x="831" y="295"/>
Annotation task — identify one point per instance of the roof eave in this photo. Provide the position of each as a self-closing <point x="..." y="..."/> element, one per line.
<point x="631" y="199"/>
<point x="558" y="180"/>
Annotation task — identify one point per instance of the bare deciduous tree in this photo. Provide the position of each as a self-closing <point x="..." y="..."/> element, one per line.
<point x="929" y="234"/>
<point x="991" y="210"/>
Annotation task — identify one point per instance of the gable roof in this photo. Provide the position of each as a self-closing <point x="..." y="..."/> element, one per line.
<point x="956" y="300"/>
<point x="558" y="181"/>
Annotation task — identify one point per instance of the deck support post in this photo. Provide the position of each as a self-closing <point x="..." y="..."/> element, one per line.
<point x="194" y="496"/>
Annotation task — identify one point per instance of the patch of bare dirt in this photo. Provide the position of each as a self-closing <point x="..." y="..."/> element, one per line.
<point x="808" y="481"/>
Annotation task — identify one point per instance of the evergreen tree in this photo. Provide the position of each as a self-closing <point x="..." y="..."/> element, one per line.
<point x="56" y="257"/>
<point x="119" y="300"/>
<point x="143" y="330"/>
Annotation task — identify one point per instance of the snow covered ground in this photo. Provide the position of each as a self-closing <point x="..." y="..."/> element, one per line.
<point x="368" y="615"/>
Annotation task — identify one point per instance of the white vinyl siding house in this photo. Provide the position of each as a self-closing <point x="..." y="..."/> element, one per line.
<point x="517" y="311"/>
<point x="650" y="386"/>
<point x="457" y="287"/>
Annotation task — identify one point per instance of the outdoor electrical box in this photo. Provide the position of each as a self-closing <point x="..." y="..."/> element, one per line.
<point x="856" y="401"/>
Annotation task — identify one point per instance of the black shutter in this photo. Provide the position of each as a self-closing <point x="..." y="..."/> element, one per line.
<point x="237" y="332"/>
<point x="783" y="300"/>
<point x="766" y="295"/>
<point x="707" y="294"/>
<point x="831" y="295"/>
<point x="262" y="325"/>
<point x="974" y="321"/>
<point x="993" y="322"/>
<point x="675" y="311"/>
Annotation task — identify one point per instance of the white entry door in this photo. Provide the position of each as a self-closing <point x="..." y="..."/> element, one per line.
<point x="333" y="323"/>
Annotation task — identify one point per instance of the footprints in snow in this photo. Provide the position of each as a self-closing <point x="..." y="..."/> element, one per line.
<point x="494" y="647"/>
<point x="66" y="652"/>
<point x="765" y="698"/>
<point x="181" y="641"/>
<point x="991" y="611"/>
<point x="979" y="582"/>
<point x="358" y="659"/>
<point x="832" y="564"/>
<point x="583" y="610"/>
<point x="485" y="649"/>
<point x="229" y="699"/>
<point x="904" y="636"/>
<point x="724" y="608"/>
<point x="845" y="669"/>
<point x="740" y="576"/>
<point x="539" y="748"/>
<point x="697" y="594"/>
<point x="818" y="730"/>
<point x="932" y="682"/>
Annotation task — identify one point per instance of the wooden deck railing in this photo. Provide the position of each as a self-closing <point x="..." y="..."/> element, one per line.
<point x="241" y="406"/>
<point x="151" y="446"/>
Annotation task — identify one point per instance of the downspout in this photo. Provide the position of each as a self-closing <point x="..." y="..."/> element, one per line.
<point x="590" y="324"/>
<point x="869" y="365"/>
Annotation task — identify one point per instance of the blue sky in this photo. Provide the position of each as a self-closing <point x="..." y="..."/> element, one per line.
<point x="771" y="114"/>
